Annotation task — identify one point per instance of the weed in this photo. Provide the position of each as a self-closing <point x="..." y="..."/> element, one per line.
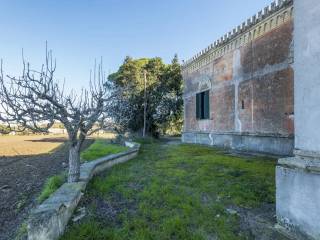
<point x="51" y="185"/>
<point x="22" y="231"/>
<point x="21" y="203"/>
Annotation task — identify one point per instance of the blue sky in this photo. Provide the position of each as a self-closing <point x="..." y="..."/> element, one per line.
<point x="79" y="31"/>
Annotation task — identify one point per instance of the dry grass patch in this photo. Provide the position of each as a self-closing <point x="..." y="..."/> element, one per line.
<point x="29" y="145"/>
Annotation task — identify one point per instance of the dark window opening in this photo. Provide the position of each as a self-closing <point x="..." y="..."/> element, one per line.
<point x="242" y="104"/>
<point x="202" y="105"/>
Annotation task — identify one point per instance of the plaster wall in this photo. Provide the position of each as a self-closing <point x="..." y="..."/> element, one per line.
<point x="298" y="197"/>
<point x="307" y="75"/>
<point x="298" y="178"/>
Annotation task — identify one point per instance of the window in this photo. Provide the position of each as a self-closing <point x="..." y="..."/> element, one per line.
<point x="242" y="104"/>
<point x="202" y="105"/>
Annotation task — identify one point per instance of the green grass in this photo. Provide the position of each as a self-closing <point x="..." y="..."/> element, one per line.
<point x="99" y="149"/>
<point x="22" y="232"/>
<point x="174" y="192"/>
<point x="147" y="140"/>
<point x="51" y="185"/>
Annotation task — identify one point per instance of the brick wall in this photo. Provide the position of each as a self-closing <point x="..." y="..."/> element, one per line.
<point x="252" y="70"/>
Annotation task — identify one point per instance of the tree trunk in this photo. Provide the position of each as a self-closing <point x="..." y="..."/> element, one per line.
<point x="74" y="163"/>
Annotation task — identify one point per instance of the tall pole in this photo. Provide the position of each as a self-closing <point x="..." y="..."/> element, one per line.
<point x="145" y="104"/>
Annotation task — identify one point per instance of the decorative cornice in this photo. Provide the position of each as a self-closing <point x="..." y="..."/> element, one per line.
<point x="270" y="17"/>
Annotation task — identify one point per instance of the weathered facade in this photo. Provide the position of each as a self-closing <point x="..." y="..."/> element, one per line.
<point x="249" y="77"/>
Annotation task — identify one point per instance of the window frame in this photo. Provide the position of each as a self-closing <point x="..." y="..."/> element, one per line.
<point x="203" y="105"/>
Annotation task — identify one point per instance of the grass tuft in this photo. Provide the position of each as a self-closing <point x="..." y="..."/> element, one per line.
<point x="22" y="232"/>
<point x="51" y="185"/>
<point x="88" y="230"/>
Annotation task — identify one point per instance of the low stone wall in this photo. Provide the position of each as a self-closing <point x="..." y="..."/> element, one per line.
<point x="48" y="221"/>
<point x="269" y="144"/>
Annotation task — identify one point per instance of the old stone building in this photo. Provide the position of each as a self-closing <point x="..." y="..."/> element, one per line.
<point x="248" y="91"/>
<point x="239" y="90"/>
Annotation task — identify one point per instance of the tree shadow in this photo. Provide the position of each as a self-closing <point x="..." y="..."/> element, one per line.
<point x="48" y="140"/>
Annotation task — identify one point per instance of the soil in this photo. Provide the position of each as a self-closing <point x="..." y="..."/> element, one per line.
<point x="21" y="181"/>
<point x="27" y="145"/>
<point x="259" y="223"/>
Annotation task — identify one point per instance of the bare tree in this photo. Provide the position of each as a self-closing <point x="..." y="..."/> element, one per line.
<point x="36" y="99"/>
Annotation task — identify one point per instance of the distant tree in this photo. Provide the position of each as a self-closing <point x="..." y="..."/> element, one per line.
<point x="4" y="129"/>
<point x="164" y="92"/>
<point x="36" y="99"/>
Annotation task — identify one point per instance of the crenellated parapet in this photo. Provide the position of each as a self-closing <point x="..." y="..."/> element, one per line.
<point x="271" y="17"/>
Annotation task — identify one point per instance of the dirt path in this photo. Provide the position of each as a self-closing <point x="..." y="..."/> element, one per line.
<point x="21" y="180"/>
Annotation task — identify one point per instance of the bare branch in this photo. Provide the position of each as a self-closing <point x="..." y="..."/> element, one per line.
<point x="35" y="101"/>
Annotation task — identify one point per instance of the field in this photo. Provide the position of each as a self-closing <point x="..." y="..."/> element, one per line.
<point x="29" y="145"/>
<point x="35" y="144"/>
<point x="26" y="162"/>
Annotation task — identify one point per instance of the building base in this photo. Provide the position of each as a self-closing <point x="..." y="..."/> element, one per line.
<point x="269" y="144"/>
<point x="298" y="195"/>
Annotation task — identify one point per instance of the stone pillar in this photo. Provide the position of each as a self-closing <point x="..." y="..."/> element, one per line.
<point x="298" y="178"/>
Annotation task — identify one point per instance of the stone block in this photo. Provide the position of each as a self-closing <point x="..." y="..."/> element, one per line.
<point x="298" y="196"/>
<point x="48" y="221"/>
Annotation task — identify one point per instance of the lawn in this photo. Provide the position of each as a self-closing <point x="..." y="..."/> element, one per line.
<point x="175" y="192"/>
<point x="101" y="148"/>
